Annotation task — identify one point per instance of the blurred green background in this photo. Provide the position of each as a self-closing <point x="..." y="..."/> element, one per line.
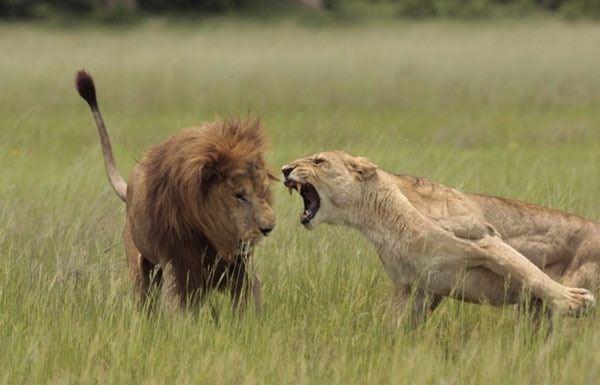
<point x="506" y="104"/>
<point x="125" y="10"/>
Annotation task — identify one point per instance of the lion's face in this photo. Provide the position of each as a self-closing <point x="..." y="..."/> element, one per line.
<point x="244" y="201"/>
<point x="330" y="184"/>
<point x="210" y="184"/>
<point x="248" y="200"/>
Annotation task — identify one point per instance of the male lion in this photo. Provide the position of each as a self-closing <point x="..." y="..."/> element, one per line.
<point x="195" y="206"/>
<point x="438" y="242"/>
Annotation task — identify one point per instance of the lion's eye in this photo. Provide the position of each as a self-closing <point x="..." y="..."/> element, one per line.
<point x="318" y="161"/>
<point x="241" y="197"/>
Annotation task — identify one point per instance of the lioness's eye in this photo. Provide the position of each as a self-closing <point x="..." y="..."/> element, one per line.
<point x="318" y="161"/>
<point x="241" y="197"/>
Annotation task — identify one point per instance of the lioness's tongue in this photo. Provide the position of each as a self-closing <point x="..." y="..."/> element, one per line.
<point x="306" y="214"/>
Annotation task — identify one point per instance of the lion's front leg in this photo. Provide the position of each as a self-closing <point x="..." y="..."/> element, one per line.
<point x="184" y="287"/>
<point x="240" y="292"/>
<point x="413" y="306"/>
<point x="257" y="293"/>
<point x="242" y="283"/>
<point x="241" y="289"/>
<point x="239" y="286"/>
<point x="174" y="297"/>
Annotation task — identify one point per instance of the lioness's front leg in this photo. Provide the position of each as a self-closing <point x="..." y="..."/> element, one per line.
<point x="508" y="260"/>
<point x="413" y="305"/>
<point x="493" y="254"/>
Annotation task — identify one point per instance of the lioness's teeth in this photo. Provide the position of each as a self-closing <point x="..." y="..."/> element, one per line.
<point x="298" y="186"/>
<point x="290" y="190"/>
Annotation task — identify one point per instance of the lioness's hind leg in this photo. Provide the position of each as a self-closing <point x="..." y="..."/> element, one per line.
<point x="537" y="312"/>
<point x="584" y="270"/>
<point x="587" y="276"/>
<point x="413" y="305"/>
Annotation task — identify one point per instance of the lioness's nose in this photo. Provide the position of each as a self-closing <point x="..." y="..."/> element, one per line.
<point x="286" y="170"/>
<point x="266" y="230"/>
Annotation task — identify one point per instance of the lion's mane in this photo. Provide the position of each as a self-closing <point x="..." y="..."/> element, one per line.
<point x="188" y="224"/>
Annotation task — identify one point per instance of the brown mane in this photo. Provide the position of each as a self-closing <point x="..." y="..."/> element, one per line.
<point x="186" y="218"/>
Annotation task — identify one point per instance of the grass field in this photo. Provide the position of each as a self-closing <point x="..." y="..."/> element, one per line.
<point x="507" y="108"/>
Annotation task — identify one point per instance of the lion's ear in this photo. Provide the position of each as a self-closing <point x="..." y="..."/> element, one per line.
<point x="208" y="175"/>
<point x="361" y="167"/>
<point x="215" y="169"/>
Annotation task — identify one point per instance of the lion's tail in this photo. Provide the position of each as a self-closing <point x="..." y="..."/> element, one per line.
<point x="87" y="90"/>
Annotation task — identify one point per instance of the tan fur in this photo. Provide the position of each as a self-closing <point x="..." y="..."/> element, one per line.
<point x="196" y="204"/>
<point x="435" y="241"/>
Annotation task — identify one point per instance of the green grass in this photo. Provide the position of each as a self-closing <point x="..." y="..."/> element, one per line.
<point x="507" y="108"/>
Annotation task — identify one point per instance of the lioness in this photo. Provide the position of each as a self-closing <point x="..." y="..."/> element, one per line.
<point x="435" y="241"/>
<point x="195" y="206"/>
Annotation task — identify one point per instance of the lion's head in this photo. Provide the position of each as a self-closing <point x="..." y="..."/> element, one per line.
<point x="212" y="182"/>
<point x="330" y="183"/>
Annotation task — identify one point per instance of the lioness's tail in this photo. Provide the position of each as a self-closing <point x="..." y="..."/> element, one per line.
<point x="87" y="90"/>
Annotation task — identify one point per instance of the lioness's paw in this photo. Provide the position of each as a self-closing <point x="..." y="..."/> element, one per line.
<point x="574" y="301"/>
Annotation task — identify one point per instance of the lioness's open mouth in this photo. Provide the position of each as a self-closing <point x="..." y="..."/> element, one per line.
<point x="309" y="195"/>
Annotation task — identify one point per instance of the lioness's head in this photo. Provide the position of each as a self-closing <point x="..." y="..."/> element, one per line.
<point x="330" y="183"/>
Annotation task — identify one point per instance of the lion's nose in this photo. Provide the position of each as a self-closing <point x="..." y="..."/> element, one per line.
<point x="286" y="170"/>
<point x="266" y="230"/>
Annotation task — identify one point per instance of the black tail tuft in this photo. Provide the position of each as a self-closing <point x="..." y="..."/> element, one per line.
<point x="86" y="88"/>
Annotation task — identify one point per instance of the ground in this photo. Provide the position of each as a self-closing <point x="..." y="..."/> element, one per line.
<point x="510" y="108"/>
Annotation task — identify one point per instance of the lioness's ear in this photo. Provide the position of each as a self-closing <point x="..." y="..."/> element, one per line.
<point x="362" y="167"/>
